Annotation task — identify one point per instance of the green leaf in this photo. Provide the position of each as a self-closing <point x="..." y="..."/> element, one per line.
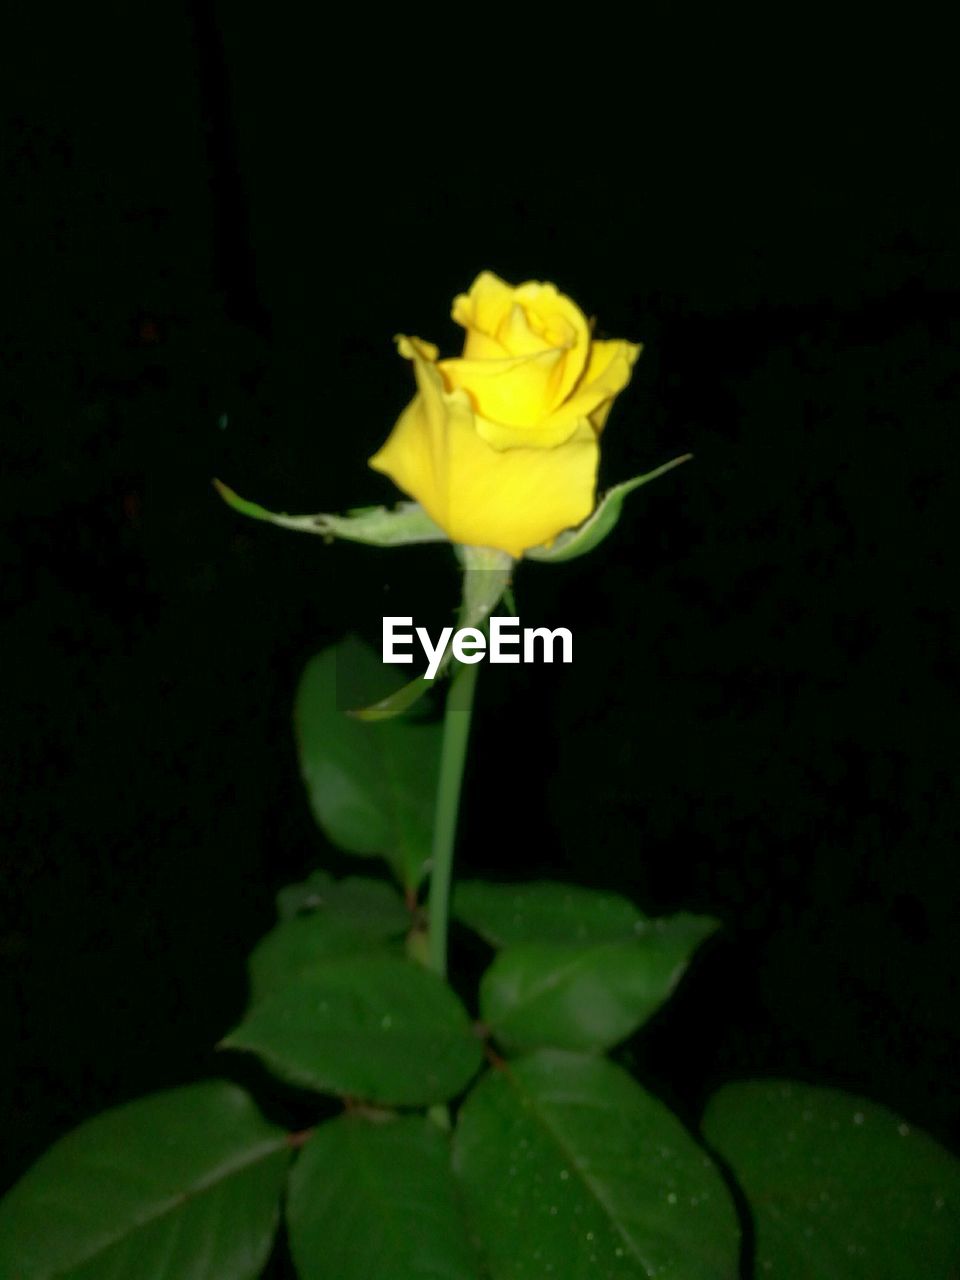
<point x="590" y="997"/>
<point x="544" y="911"/>
<point x="344" y="918"/>
<point x="375" y="1027"/>
<point x="577" y="542"/>
<point x="370" y="906"/>
<point x="182" y="1184"/>
<point x="298" y="947"/>
<point x="296" y="899"/>
<point x="841" y="1189"/>
<point x="373" y="1199"/>
<point x="571" y="1170"/>
<point x="371" y="786"/>
<point x="377" y="526"/>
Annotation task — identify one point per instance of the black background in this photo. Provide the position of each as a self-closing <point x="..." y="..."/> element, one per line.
<point x="219" y="221"/>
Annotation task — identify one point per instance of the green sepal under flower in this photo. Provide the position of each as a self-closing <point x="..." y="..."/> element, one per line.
<point x="577" y="542"/>
<point x="487" y="573"/>
<point x="405" y="524"/>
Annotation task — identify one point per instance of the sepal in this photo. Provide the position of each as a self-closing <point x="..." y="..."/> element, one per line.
<point x="577" y="542"/>
<point x="406" y="523"/>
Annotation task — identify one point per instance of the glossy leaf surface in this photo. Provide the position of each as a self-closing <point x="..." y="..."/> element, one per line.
<point x="571" y="1170"/>
<point x="544" y="911"/>
<point x="591" y="996"/>
<point x="185" y="1183"/>
<point x="374" y="1027"/>
<point x="840" y="1188"/>
<point x="376" y="1198"/>
<point x="331" y="919"/>
<point x="370" y="786"/>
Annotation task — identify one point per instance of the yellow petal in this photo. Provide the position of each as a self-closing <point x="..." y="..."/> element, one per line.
<point x="479" y="312"/>
<point x="510" y="499"/>
<point x="608" y="372"/>
<point x="552" y="315"/>
<point x="518" y="391"/>
<point x="532" y="319"/>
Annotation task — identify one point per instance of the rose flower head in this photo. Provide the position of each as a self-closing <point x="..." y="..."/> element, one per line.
<point x="500" y="445"/>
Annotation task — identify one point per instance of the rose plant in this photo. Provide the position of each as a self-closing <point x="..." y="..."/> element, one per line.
<point x="502" y="1139"/>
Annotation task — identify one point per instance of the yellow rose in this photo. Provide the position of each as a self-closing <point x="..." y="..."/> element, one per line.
<point x="500" y="445"/>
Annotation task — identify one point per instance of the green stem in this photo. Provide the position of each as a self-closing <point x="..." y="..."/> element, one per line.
<point x="453" y="754"/>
